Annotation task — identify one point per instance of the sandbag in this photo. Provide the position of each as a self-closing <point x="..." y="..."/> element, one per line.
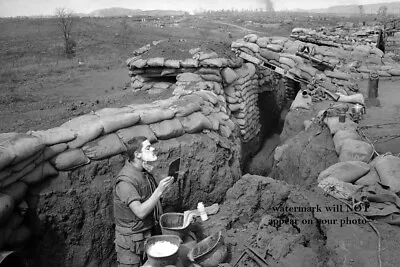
<point x="229" y="75"/>
<point x="149" y="116"/>
<point x="15" y="147"/>
<point x="246" y="71"/>
<point x="338" y="75"/>
<point x="207" y="55"/>
<point x="167" y="129"/>
<point x="184" y="108"/>
<point x="275" y="47"/>
<point x="188" y="77"/>
<point x="69" y="160"/>
<point x="356" y="150"/>
<point x="17" y="191"/>
<point x="172" y="63"/>
<point x="214" y="62"/>
<point x="371" y="178"/>
<point x="189" y="63"/>
<point x="334" y="125"/>
<point x="55" y="135"/>
<point x="388" y="168"/>
<point x="348" y="171"/>
<point x="50" y="152"/>
<point x="342" y="135"/>
<point x="104" y="147"/>
<point x="394" y="72"/>
<point x="263" y="42"/>
<point x="383" y="73"/>
<point x="139" y="63"/>
<point x="252" y="38"/>
<point x="19" y="237"/>
<point x="208" y="96"/>
<point x="269" y="55"/>
<point x="307" y="69"/>
<point x="115" y="122"/>
<point x="192" y="98"/>
<point x="40" y="173"/>
<point x="7" y="206"/>
<point x="16" y="176"/>
<point x="155" y="62"/>
<point x="214" y="121"/>
<point x="23" y="164"/>
<point x="87" y="127"/>
<point x="287" y="61"/>
<point x="195" y="123"/>
<point x="211" y="77"/>
<point x="128" y="134"/>
<point x="5" y="173"/>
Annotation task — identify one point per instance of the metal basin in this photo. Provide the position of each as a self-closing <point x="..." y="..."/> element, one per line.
<point x="209" y="252"/>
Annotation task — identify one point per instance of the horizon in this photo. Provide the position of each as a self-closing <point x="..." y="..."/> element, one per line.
<point x="33" y="8"/>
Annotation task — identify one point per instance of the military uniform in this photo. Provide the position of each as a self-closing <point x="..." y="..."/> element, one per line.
<point x="131" y="231"/>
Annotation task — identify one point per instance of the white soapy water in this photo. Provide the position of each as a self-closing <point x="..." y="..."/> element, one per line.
<point x="162" y="249"/>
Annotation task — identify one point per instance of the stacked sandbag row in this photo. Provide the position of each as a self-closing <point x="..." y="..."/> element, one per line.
<point x="281" y="52"/>
<point x="23" y="161"/>
<point x="142" y="70"/>
<point x="357" y="59"/>
<point x="241" y="93"/>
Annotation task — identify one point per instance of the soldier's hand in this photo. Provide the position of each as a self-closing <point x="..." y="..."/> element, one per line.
<point x="165" y="183"/>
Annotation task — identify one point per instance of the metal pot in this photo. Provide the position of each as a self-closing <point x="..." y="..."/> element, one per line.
<point x="156" y="261"/>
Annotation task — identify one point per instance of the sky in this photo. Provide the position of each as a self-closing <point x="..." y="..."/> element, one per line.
<point x="10" y="8"/>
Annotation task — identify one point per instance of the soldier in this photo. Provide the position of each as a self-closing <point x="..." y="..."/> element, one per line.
<point x="137" y="207"/>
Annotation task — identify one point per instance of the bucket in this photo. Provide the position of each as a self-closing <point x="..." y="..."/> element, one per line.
<point x="158" y="253"/>
<point x="172" y="224"/>
<point x="373" y="85"/>
<point x="209" y="252"/>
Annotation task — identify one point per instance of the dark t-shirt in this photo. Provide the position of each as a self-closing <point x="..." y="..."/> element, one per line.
<point x="132" y="185"/>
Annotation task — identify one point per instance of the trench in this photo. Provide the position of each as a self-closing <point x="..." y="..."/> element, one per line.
<point x="273" y="106"/>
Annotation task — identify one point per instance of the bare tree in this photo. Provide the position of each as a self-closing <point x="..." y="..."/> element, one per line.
<point x="65" y="21"/>
<point x="382" y="11"/>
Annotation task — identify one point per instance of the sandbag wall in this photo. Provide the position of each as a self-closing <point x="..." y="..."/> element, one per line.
<point x="207" y="64"/>
<point x="357" y="56"/>
<point x="356" y="177"/>
<point x="236" y="84"/>
<point x="29" y="158"/>
<point x="242" y="91"/>
<point x="351" y="63"/>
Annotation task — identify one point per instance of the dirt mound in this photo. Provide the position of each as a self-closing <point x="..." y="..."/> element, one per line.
<point x="290" y="226"/>
<point x="179" y="49"/>
<point x="305" y="155"/>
